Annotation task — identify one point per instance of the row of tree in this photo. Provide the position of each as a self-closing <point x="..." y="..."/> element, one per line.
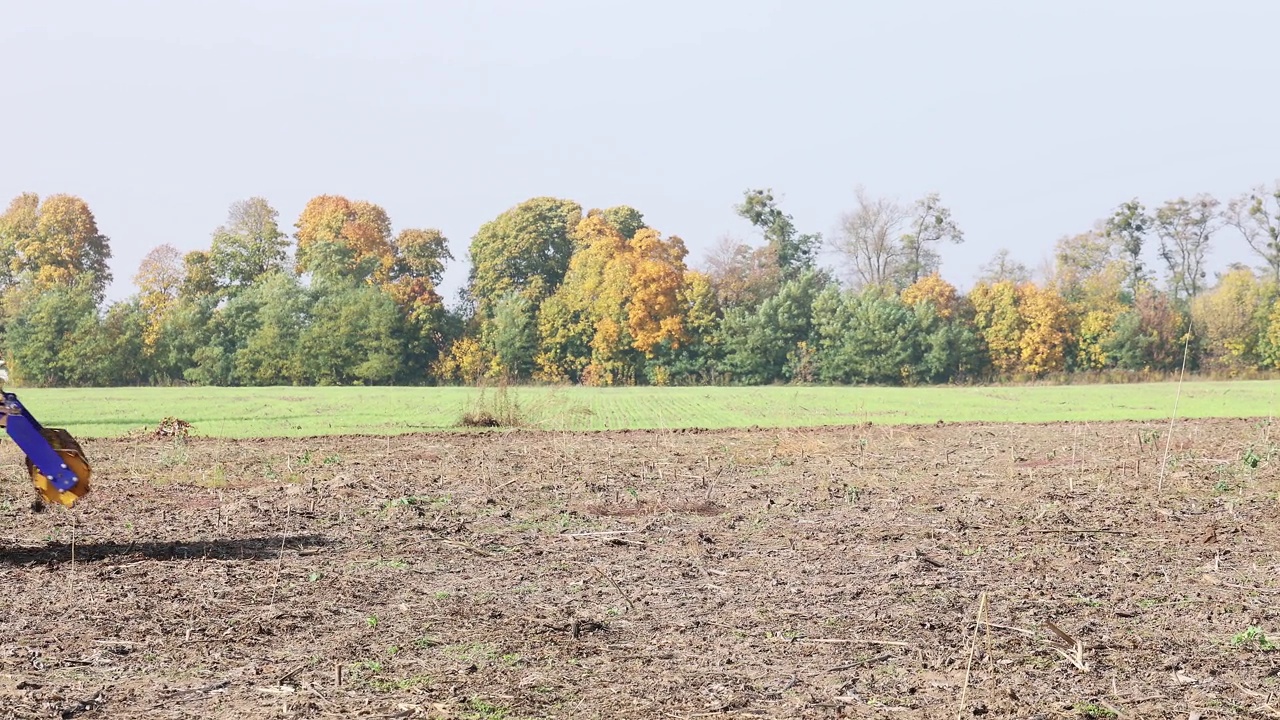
<point x="559" y="294"/>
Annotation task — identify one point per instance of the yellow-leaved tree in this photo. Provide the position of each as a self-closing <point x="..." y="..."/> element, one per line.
<point x="655" y="316"/>
<point x="55" y="241"/>
<point x="1231" y="318"/>
<point x="999" y="323"/>
<point x="1027" y="328"/>
<point x="159" y="280"/>
<point x="1046" y="329"/>
<point x="622" y="302"/>
<point x="568" y="320"/>
<point x="934" y="290"/>
<point x="1090" y="272"/>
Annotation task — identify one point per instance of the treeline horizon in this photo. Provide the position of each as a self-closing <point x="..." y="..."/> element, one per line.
<point x="561" y="294"/>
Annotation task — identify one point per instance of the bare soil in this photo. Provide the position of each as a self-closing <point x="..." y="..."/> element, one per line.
<point x="1032" y="571"/>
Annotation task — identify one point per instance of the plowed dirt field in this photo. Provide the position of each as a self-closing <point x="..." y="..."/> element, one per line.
<point x="946" y="571"/>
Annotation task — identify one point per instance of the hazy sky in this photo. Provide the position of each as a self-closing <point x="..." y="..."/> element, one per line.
<point x="1031" y="119"/>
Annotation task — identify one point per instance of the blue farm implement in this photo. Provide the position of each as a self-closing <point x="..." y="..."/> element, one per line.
<point x="55" y="461"/>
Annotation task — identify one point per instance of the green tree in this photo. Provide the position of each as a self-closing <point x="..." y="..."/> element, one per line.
<point x="250" y="244"/>
<point x="526" y="249"/>
<point x="353" y="336"/>
<point x="124" y="328"/>
<point x="765" y="346"/>
<point x="693" y="361"/>
<point x="1128" y="228"/>
<point x="1185" y="228"/>
<point x="864" y="337"/>
<point x="271" y="332"/>
<point x="54" y="336"/>
<point x="511" y="336"/>
<point x="627" y="220"/>
<point x="794" y="251"/>
<point x="1150" y="335"/>
<point x="198" y="278"/>
<point x="419" y="268"/>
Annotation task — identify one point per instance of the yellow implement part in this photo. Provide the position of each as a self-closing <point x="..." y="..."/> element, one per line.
<point x="73" y="455"/>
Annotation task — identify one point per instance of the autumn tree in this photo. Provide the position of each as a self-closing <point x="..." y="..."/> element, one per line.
<point x="939" y="293"/>
<point x="421" y="254"/>
<point x="1089" y="273"/>
<point x="1230" y="318"/>
<point x="999" y="323"/>
<point x="590" y="302"/>
<point x="621" y="304"/>
<point x="1256" y="216"/>
<point x="694" y="360"/>
<point x="340" y="237"/>
<point x="793" y="250"/>
<point x="159" y="280"/>
<point x="1047" y="332"/>
<point x="249" y="245"/>
<point x="1150" y="335"/>
<point x="1185" y="228"/>
<point x="420" y="260"/>
<point x="17" y="223"/>
<point x="654" y="314"/>
<point x="1026" y="328"/>
<point x="55" y="241"/>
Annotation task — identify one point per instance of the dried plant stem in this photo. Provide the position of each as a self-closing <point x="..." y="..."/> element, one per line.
<point x="973" y="645"/>
<point x="1168" y="441"/>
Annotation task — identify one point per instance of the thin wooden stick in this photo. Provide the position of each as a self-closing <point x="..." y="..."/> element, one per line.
<point x="844" y="641"/>
<point x="1178" y="395"/>
<point x="973" y="645"/>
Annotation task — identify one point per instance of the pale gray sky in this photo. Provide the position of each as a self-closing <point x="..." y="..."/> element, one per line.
<point x="1031" y="119"/>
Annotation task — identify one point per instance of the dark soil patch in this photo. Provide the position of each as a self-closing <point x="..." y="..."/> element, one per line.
<point x="824" y="573"/>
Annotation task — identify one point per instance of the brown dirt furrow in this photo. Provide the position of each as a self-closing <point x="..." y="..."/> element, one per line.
<point x="940" y="571"/>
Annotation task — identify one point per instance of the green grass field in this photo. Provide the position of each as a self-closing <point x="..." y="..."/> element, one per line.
<point x="304" y="411"/>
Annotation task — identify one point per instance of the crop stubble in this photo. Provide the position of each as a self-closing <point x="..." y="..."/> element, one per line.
<point x="929" y="571"/>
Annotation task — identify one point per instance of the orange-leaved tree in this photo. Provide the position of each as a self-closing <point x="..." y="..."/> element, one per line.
<point x="338" y="237"/>
<point x="655" y="316"/>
